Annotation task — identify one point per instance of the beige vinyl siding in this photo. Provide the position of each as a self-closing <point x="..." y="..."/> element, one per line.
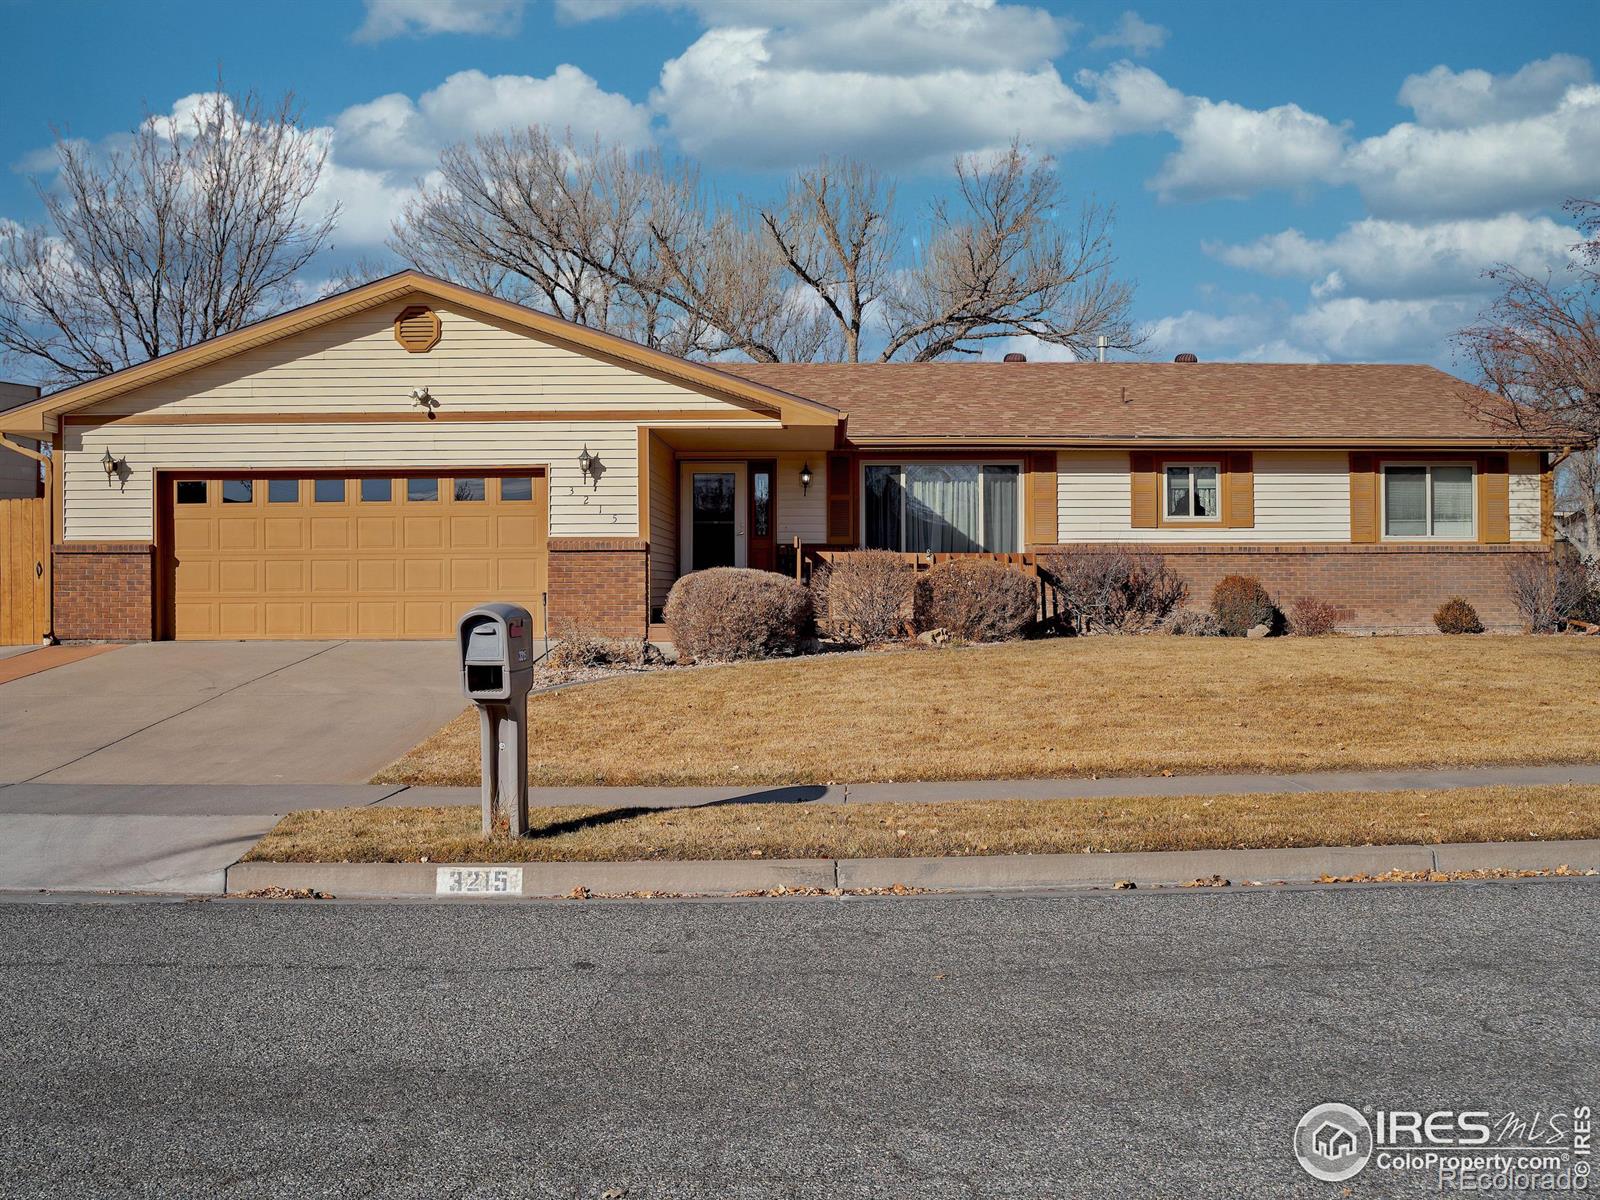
<point x="663" y="522"/>
<point x="354" y="364"/>
<point x="19" y="474"/>
<point x="1527" y="517"/>
<point x="1300" y="496"/>
<point x="802" y="514"/>
<point x="98" y="510"/>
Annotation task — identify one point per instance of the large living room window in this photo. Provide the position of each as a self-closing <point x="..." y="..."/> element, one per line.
<point x="943" y="507"/>
<point x="1427" y="500"/>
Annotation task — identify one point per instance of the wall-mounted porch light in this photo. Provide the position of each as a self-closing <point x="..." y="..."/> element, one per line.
<point x="589" y="466"/>
<point x="112" y="465"/>
<point x="805" y="479"/>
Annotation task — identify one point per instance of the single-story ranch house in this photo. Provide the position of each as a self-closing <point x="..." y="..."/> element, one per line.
<point x="369" y="465"/>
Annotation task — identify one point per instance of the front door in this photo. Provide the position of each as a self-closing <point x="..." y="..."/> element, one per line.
<point x="713" y="504"/>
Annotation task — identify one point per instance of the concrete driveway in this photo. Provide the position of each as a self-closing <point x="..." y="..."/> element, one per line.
<point x="227" y="712"/>
<point x="155" y="766"/>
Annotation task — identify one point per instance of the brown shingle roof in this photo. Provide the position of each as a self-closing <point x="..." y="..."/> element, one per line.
<point x="1294" y="402"/>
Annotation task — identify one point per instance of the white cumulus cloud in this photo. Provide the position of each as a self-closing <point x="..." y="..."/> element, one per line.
<point x="1133" y="34"/>
<point x="1447" y="99"/>
<point x="1226" y="149"/>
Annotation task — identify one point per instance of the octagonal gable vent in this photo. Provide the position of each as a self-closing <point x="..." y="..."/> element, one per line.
<point x="417" y="328"/>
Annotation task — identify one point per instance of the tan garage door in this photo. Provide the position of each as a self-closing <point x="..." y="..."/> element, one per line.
<point x="350" y="556"/>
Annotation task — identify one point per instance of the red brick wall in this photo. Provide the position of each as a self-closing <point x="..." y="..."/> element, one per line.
<point x="600" y="584"/>
<point x="1382" y="589"/>
<point x="104" y="591"/>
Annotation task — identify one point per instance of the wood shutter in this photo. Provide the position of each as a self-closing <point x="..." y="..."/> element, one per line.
<point x="1363" y="498"/>
<point x="1239" y="510"/>
<point x="1547" y="500"/>
<point x="1494" y="498"/>
<point x="1042" y="503"/>
<point x="841" y="500"/>
<point x="1145" y="490"/>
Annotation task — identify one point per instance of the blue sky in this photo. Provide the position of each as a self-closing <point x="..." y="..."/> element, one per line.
<point x="1292" y="180"/>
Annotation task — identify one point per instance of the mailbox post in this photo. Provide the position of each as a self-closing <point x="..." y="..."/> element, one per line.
<point x="496" y="675"/>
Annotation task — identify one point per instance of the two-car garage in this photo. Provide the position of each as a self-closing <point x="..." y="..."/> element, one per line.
<point x="359" y="554"/>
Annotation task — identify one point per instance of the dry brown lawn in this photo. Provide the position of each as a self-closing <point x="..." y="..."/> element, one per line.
<point x="1073" y="706"/>
<point x="724" y="831"/>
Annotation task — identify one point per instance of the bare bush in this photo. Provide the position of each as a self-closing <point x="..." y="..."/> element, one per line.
<point x="1455" y="615"/>
<point x="730" y="613"/>
<point x="1313" y="617"/>
<point x="1114" y="591"/>
<point x="1549" y="590"/>
<point x="580" y="647"/>
<point x="1241" y="603"/>
<point x="976" y="599"/>
<point x="866" y="597"/>
<point x="1193" y="622"/>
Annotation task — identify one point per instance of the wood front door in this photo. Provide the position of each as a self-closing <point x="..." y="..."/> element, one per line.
<point x="763" y="515"/>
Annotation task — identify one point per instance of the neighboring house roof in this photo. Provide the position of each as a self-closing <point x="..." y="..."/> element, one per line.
<point x="41" y="415"/>
<point x="1237" y="403"/>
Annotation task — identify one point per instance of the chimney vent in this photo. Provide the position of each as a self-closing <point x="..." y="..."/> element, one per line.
<point x="1186" y="358"/>
<point x="1015" y="357"/>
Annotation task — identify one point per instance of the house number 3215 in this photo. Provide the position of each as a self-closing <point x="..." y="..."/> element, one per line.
<point x="478" y="881"/>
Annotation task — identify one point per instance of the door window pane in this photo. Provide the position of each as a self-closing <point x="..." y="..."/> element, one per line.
<point x="377" y="491"/>
<point x="468" y="489"/>
<point x="712" y="498"/>
<point x="516" y="487"/>
<point x="1178" y="491"/>
<point x="1405" y="501"/>
<point x="422" y="490"/>
<point x="328" y="491"/>
<point x="942" y="507"/>
<point x="1452" y="501"/>
<point x="1001" y="486"/>
<point x="760" y="503"/>
<point x="236" y="491"/>
<point x="883" y="508"/>
<point x="283" y="491"/>
<point x="191" y="491"/>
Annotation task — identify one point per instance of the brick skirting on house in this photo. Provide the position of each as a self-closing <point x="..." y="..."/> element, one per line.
<point x="1382" y="589"/>
<point x="600" y="585"/>
<point x="104" y="591"/>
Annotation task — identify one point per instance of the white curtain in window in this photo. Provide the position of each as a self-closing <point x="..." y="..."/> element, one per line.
<point x="1452" y="501"/>
<point x="1000" y="488"/>
<point x="942" y="507"/>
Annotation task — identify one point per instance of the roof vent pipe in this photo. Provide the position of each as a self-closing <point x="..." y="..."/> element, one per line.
<point x="1015" y="357"/>
<point x="1185" y="358"/>
<point x="1102" y="344"/>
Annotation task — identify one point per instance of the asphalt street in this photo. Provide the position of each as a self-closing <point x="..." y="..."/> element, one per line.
<point x="1110" y="1044"/>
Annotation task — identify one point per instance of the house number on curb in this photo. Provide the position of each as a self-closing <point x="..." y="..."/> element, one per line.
<point x="478" y="881"/>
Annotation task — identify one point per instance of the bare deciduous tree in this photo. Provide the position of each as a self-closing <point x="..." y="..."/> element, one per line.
<point x="195" y="227"/>
<point x="637" y="247"/>
<point x="1537" y="351"/>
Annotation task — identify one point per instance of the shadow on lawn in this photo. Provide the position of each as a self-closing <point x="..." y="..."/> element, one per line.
<point x="778" y="795"/>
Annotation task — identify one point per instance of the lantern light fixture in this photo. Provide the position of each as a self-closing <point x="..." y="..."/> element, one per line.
<point x="112" y="465"/>
<point x="805" y="479"/>
<point x="589" y="466"/>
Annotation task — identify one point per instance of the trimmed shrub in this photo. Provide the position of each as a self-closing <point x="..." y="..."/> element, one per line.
<point x="1550" y="591"/>
<point x="1455" y="615"/>
<point x="1311" y="617"/>
<point x="976" y="599"/>
<point x="1114" y="591"/>
<point x="1193" y="622"/>
<point x="730" y="613"/>
<point x="1241" y="603"/>
<point x="866" y="597"/>
<point x="579" y="647"/>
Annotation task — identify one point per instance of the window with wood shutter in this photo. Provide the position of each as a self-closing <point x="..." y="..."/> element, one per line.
<point x="1363" y="498"/>
<point x="1239" y="499"/>
<point x="1043" y="505"/>
<point x="841" y="500"/>
<point x="417" y="329"/>
<point x="1494" y="498"/>
<point x="1145" y="486"/>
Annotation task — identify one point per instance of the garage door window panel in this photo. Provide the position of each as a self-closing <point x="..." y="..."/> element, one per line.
<point x="421" y="491"/>
<point x="377" y="491"/>
<point x="328" y="491"/>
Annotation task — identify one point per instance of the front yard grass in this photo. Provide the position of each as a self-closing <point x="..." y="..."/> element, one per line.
<point x="744" y="831"/>
<point x="1071" y="706"/>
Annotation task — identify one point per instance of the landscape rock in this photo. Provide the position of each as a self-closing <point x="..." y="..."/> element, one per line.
<point x="1259" y="631"/>
<point x="934" y="637"/>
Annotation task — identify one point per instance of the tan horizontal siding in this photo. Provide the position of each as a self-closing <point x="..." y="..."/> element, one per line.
<point x="1527" y="516"/>
<point x="801" y="514"/>
<point x="354" y="364"/>
<point x="1300" y="496"/>
<point x="100" y="511"/>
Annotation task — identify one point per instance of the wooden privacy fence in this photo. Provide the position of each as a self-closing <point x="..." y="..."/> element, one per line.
<point x="24" y="571"/>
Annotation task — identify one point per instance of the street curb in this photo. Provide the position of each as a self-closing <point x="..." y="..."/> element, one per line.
<point x="976" y="873"/>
